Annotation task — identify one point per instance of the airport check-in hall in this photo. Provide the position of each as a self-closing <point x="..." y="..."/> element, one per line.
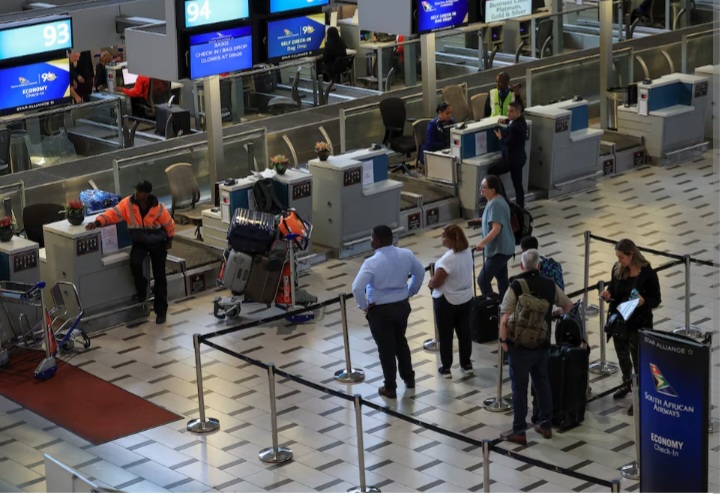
<point x="359" y="246"/>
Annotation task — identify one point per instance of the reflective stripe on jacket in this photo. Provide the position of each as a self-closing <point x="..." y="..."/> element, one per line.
<point x="497" y="107"/>
<point x="157" y="225"/>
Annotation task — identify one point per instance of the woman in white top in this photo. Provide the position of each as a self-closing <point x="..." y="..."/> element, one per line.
<point x="452" y="291"/>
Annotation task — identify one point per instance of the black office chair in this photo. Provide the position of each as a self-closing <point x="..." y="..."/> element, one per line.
<point x="37" y="215"/>
<point x="393" y="113"/>
<point x="160" y="92"/>
<point x="283" y="104"/>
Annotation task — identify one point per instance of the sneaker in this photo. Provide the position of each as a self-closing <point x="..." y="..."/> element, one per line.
<point x="546" y="432"/>
<point x="515" y="437"/>
<point x="467" y="370"/>
<point x="387" y="393"/>
<point x="621" y="393"/>
<point x="445" y="372"/>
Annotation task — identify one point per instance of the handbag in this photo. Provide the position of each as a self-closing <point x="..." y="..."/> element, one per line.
<point x="616" y="325"/>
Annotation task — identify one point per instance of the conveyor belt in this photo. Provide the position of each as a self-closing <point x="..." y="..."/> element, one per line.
<point x="195" y="256"/>
<point x="622" y="142"/>
<point x="430" y="191"/>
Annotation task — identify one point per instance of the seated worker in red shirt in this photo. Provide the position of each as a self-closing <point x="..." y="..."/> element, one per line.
<point x="138" y="93"/>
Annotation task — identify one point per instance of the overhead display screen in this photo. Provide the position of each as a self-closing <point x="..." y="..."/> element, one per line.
<point x="277" y="6"/>
<point x="218" y="52"/>
<point x="38" y="85"/>
<point x="435" y="15"/>
<point x="499" y="10"/>
<point x="22" y="41"/>
<point x="204" y="12"/>
<point x="295" y="37"/>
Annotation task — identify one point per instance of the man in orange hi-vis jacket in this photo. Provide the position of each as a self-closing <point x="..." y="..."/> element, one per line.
<point x="151" y="229"/>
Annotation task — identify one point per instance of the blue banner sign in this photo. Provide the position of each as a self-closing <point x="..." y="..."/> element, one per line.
<point x="435" y="15"/>
<point x="38" y="85"/>
<point x="219" y="52"/>
<point x="277" y="6"/>
<point x="674" y="394"/>
<point x="295" y="37"/>
<point x="204" y="12"/>
<point x="22" y="41"/>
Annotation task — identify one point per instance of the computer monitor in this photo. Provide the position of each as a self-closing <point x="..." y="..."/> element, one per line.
<point x="128" y="78"/>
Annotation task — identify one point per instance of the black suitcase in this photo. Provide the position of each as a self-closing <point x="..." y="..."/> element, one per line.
<point x="568" y="372"/>
<point x="251" y="232"/>
<point x="484" y="315"/>
<point x="263" y="282"/>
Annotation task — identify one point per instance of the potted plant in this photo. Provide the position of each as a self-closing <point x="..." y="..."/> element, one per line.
<point x="323" y="150"/>
<point x="279" y="163"/>
<point x="6" y="229"/>
<point x="75" y="212"/>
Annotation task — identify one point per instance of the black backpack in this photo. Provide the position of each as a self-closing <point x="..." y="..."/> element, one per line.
<point x="570" y="328"/>
<point x="265" y="198"/>
<point x="521" y="221"/>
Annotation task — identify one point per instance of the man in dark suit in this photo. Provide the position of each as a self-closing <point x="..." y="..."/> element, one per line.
<point x="512" y="139"/>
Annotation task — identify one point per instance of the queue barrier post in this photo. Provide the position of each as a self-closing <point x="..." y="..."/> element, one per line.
<point x="602" y="366"/>
<point x="615" y="487"/>
<point x="274" y="454"/>
<point x="363" y="487"/>
<point x="202" y="424"/>
<point x="432" y="344"/>
<point x="688" y="330"/>
<point x="631" y="470"/>
<point x="486" y="465"/>
<point x="590" y="310"/>
<point x="348" y="375"/>
<point x="498" y="404"/>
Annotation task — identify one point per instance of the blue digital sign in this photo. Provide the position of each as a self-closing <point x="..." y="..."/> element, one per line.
<point x="38" y="85"/>
<point x="204" y="12"/>
<point x="295" y="37"/>
<point x="277" y="6"/>
<point x="219" y="52"/>
<point x="22" y="41"/>
<point x="435" y="15"/>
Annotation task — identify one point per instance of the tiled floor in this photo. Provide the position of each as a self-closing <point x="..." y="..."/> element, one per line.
<point x="672" y="209"/>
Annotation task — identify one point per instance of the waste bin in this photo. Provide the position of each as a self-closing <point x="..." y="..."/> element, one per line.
<point x="615" y="97"/>
<point x="19" y="155"/>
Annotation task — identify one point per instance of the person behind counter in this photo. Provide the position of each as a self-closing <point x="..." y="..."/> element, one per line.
<point x="512" y="139"/>
<point x="81" y="76"/>
<point x="333" y="61"/>
<point x="151" y="229"/>
<point x="139" y="93"/>
<point x="101" y="74"/>
<point x="437" y="136"/>
<point x="499" y="98"/>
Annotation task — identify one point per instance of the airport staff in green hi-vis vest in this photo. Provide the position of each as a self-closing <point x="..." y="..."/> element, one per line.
<point x="498" y="100"/>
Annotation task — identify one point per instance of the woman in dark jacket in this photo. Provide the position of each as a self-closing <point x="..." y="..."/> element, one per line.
<point x="333" y="55"/>
<point x="632" y="277"/>
<point x="437" y="136"/>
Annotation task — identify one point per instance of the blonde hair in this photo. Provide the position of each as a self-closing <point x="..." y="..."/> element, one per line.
<point x="628" y="247"/>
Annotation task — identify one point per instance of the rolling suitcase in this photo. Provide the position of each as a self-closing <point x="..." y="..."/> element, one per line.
<point x="251" y="232"/>
<point x="237" y="271"/>
<point x="263" y="282"/>
<point x="484" y="315"/>
<point x="568" y="373"/>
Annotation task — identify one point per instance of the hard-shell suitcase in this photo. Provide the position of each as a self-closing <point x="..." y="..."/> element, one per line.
<point x="568" y="372"/>
<point x="251" y="232"/>
<point x="263" y="283"/>
<point x="484" y="315"/>
<point x="237" y="271"/>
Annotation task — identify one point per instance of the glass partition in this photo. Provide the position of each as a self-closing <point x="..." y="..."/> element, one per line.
<point x="239" y="148"/>
<point x="64" y="134"/>
<point x="700" y="49"/>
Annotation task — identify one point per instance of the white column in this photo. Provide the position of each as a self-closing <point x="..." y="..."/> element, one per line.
<point x="429" y="76"/>
<point x="606" y="58"/>
<point x="213" y="119"/>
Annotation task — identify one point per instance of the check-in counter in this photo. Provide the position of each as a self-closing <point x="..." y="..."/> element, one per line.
<point x="670" y="116"/>
<point x="565" y="151"/>
<point x="475" y="148"/>
<point x="712" y="72"/>
<point x="357" y="195"/>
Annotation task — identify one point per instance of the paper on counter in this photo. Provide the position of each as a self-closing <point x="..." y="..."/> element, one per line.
<point x="481" y="143"/>
<point x="109" y="239"/>
<point x="368" y="172"/>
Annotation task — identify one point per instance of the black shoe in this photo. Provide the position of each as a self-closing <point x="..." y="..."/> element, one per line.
<point x="546" y="432"/>
<point x="410" y="384"/>
<point x="621" y="393"/>
<point x="160" y="319"/>
<point x="387" y="393"/>
<point x="445" y="372"/>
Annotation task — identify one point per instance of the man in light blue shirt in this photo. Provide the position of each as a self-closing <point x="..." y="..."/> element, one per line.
<point x="381" y="289"/>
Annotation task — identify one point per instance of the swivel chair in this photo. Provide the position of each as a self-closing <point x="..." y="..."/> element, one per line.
<point x="393" y="113"/>
<point x="456" y="97"/>
<point x="283" y="104"/>
<point x="37" y="215"/>
<point x="477" y="102"/>
<point x="420" y="134"/>
<point x="185" y="194"/>
<point x="159" y="93"/>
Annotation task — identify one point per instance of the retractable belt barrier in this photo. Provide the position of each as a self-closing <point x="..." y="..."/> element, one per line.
<point x="659" y="252"/>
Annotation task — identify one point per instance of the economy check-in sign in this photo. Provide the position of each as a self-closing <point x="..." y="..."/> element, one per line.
<point x="674" y="409"/>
